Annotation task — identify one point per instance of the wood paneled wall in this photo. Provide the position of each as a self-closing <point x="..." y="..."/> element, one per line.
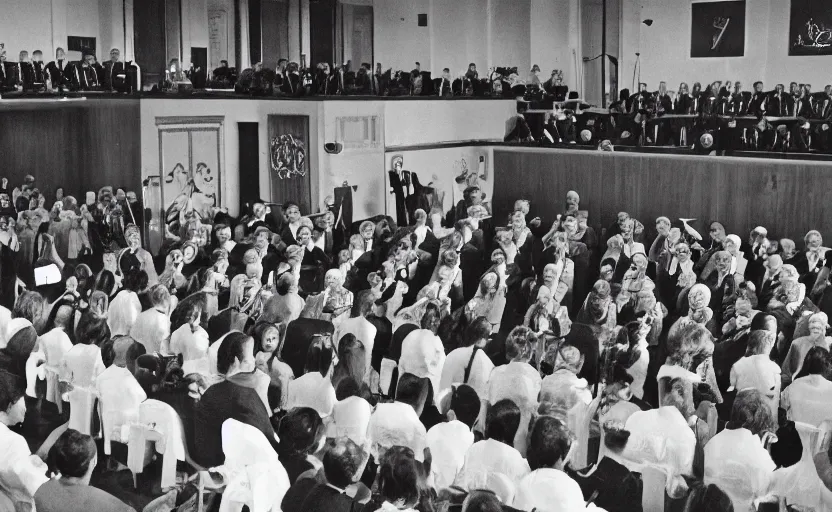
<point x="80" y="147"/>
<point x="787" y="197"/>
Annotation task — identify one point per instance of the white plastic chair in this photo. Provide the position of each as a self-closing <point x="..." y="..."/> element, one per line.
<point x="254" y="476"/>
<point x="158" y="423"/>
<point x="654" y="480"/>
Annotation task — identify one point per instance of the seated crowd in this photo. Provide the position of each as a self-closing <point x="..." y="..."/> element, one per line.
<point x="457" y="363"/>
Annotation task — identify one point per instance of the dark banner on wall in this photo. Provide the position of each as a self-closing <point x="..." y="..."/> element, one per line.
<point x="717" y="29"/>
<point x="289" y="167"/>
<point x="810" y="28"/>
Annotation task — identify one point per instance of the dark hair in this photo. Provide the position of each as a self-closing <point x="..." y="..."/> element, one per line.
<point x="465" y="403"/>
<point x="483" y="501"/>
<point x="751" y="411"/>
<point x="342" y="461"/>
<point x="478" y="329"/>
<point x="365" y="305"/>
<point x="352" y="360"/>
<point x="318" y="357"/>
<point x="31" y="306"/>
<point x="763" y="321"/>
<point x="284" y="283"/>
<point x="12" y="389"/>
<point x="608" y="261"/>
<point x="816" y="362"/>
<point x="347" y="387"/>
<point x="72" y="454"/>
<point x="615" y="438"/>
<point x="58" y="315"/>
<point x="502" y="422"/>
<point x="413" y="390"/>
<point x="431" y="318"/>
<point x="398" y="476"/>
<point x="677" y="392"/>
<point x="105" y="282"/>
<point x="134" y="280"/>
<point x="710" y="498"/>
<point x="549" y="442"/>
<point x="300" y="431"/>
<point x="187" y="308"/>
<point x="231" y="349"/>
<point x="92" y="329"/>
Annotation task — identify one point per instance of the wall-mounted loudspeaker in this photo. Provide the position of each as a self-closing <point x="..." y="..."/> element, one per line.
<point x="333" y="148"/>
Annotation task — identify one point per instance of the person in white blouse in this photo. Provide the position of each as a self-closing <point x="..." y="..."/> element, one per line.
<point x="125" y="307"/>
<point x="152" y="327"/>
<point x="362" y="329"/>
<point x="21" y="473"/>
<point x="757" y="371"/>
<point x="563" y="387"/>
<point x="735" y="459"/>
<point x="469" y="364"/>
<point x="548" y="487"/>
<point x="495" y="458"/>
<point x="517" y="381"/>
<point x="809" y="398"/>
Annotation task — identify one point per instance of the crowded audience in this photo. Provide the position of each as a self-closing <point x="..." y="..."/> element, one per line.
<point x="463" y="362"/>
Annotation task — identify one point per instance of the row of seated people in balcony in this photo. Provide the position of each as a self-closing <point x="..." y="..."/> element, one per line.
<point x="62" y="74"/>
<point x="293" y="79"/>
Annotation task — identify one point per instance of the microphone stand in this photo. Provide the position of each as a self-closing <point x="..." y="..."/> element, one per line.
<point x="637" y="65"/>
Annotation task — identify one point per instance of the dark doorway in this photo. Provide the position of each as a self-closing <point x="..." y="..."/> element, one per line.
<point x="149" y="39"/>
<point x="249" y="162"/>
<point x="322" y="28"/>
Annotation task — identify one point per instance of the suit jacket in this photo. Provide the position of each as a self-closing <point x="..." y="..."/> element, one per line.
<point x="6" y="76"/>
<point x="40" y="72"/>
<point x="82" y="78"/>
<point x="233" y="398"/>
<point x="110" y="77"/>
<point x="399" y="186"/>
<point x="59" y="73"/>
<point x="24" y="75"/>
<point x="444" y="87"/>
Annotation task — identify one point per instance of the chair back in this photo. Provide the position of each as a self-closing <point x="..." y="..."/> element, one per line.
<point x="654" y="481"/>
<point x="502" y="486"/>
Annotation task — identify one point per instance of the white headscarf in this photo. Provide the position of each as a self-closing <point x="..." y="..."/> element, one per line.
<point x="423" y="355"/>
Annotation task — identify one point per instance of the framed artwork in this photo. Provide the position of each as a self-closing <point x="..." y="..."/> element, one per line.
<point x="810" y="28"/>
<point x="717" y="29"/>
<point x="190" y="166"/>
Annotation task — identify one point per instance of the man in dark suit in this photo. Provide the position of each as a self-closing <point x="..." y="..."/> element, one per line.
<point x="444" y="85"/>
<point x="115" y="72"/>
<point x="758" y="100"/>
<point x="83" y="75"/>
<point x="58" y="70"/>
<point x="24" y="72"/>
<point x="400" y="184"/>
<point x="39" y="68"/>
<point x="341" y="464"/>
<point x="6" y="80"/>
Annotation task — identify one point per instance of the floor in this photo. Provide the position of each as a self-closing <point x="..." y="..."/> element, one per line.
<point x="42" y="419"/>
